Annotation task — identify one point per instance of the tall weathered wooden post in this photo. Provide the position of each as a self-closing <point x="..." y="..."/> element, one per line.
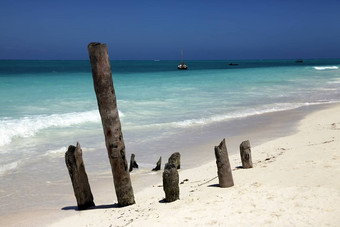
<point x="106" y="98"/>
<point x="225" y="176"/>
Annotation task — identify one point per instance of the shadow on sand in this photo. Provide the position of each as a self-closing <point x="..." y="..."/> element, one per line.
<point x="214" y="186"/>
<point x="105" y="206"/>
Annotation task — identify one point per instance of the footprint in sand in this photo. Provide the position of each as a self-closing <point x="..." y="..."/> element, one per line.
<point x="213" y="222"/>
<point x="334" y="126"/>
<point x="270" y="198"/>
<point x="256" y="184"/>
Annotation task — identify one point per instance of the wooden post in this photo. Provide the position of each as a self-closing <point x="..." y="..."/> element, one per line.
<point x="106" y="98"/>
<point x="175" y="159"/>
<point x="246" y="155"/>
<point x="80" y="182"/>
<point x="225" y="176"/>
<point x="133" y="163"/>
<point x="158" y="165"/>
<point x="171" y="182"/>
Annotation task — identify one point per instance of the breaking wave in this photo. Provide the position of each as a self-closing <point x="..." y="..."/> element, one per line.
<point x="30" y="125"/>
<point x="325" y="67"/>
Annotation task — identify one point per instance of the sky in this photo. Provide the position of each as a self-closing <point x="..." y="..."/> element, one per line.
<point x="146" y="30"/>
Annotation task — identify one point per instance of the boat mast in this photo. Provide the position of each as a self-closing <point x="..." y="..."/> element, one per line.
<point x="182" y="56"/>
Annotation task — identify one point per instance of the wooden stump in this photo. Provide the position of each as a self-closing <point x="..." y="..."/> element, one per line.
<point x="171" y="182"/>
<point x="246" y="155"/>
<point x="80" y="182"/>
<point x="225" y="176"/>
<point x="175" y="159"/>
<point x="106" y="98"/>
<point x="158" y="165"/>
<point x="133" y="163"/>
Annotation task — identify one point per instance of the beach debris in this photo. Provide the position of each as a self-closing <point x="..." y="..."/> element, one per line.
<point x="329" y="141"/>
<point x="76" y="169"/>
<point x="107" y="105"/>
<point x="175" y="159"/>
<point x="158" y="164"/>
<point x="225" y="177"/>
<point x="171" y="182"/>
<point x="206" y="182"/>
<point x="133" y="163"/>
<point x="184" y="181"/>
<point x="245" y="153"/>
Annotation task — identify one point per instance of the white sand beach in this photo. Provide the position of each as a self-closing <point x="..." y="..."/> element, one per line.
<point x="295" y="182"/>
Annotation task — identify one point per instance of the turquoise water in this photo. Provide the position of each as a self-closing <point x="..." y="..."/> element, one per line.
<point x="47" y="105"/>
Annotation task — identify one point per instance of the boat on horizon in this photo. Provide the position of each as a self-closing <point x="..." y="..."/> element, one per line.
<point x="299" y="61"/>
<point x="182" y="66"/>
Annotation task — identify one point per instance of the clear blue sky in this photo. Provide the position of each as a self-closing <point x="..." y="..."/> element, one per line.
<point x="238" y="29"/>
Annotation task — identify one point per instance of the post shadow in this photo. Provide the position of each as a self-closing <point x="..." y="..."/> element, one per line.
<point x="99" y="207"/>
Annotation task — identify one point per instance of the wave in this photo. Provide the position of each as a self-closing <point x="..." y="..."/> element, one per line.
<point x="30" y="125"/>
<point x="325" y="67"/>
<point x="334" y="81"/>
<point x="241" y="114"/>
<point x="60" y="152"/>
<point x="7" y="167"/>
<point x="56" y="152"/>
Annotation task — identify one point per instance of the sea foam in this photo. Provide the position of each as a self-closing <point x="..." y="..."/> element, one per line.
<point x="325" y="67"/>
<point x="7" y="167"/>
<point x="60" y="152"/>
<point x="30" y="125"/>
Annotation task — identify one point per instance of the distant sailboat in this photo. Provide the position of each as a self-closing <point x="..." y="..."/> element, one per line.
<point x="182" y="66"/>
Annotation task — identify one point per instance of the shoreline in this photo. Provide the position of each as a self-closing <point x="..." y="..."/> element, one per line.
<point x="101" y="186"/>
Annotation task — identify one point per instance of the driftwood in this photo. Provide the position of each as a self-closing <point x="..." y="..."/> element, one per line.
<point x="245" y="153"/>
<point x="106" y="98"/>
<point x="175" y="159"/>
<point x="133" y="163"/>
<point x="225" y="176"/>
<point x="80" y="182"/>
<point x="170" y="182"/>
<point x="158" y="165"/>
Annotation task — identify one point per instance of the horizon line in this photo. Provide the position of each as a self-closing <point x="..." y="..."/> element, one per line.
<point x="249" y="59"/>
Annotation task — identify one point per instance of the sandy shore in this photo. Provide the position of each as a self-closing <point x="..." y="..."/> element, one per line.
<point x="295" y="182"/>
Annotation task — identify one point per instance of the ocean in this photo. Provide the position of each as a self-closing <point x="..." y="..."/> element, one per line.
<point x="48" y="105"/>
